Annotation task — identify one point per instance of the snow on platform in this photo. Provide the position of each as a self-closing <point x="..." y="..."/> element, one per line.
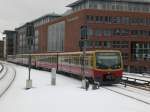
<point x="66" y="96"/>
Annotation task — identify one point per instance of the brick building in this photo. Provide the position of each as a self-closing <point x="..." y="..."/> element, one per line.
<point x="111" y="24"/>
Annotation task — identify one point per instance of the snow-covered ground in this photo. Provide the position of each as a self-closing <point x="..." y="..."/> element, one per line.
<point x="66" y="96"/>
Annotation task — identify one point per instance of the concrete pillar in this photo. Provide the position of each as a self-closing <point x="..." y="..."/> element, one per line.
<point x="53" y="77"/>
<point x="28" y="84"/>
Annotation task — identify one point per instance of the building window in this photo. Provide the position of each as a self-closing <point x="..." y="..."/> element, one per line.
<point x="120" y="44"/>
<point x="134" y="32"/>
<point x="109" y="19"/>
<point x="88" y="18"/>
<point x="98" y="32"/>
<point x="147" y="21"/>
<point x="140" y="51"/>
<point x="125" y="56"/>
<point x="89" y="44"/>
<point x="107" y="32"/>
<point x="97" y="44"/>
<point x="106" y="19"/>
<point x="134" y="21"/>
<point x="145" y="33"/>
<point x="89" y="32"/>
<point x="116" y="20"/>
<point x="141" y="21"/>
<point x="117" y="32"/>
<point x="93" y="5"/>
<point x="107" y="44"/>
<point x="125" y="32"/>
<point x="97" y="18"/>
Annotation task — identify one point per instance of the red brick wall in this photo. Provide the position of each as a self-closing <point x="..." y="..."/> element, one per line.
<point x="74" y="21"/>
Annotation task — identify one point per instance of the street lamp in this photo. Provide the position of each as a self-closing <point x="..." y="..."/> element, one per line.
<point x="82" y="45"/>
<point x="29" y="34"/>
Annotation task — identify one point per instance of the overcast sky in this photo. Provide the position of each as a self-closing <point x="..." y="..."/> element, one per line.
<point x="17" y="12"/>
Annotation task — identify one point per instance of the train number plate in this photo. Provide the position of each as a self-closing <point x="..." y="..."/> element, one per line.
<point x="108" y="77"/>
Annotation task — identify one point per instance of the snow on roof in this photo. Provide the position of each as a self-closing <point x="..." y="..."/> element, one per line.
<point x="133" y="1"/>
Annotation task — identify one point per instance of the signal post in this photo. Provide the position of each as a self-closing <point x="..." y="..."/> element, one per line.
<point x="82" y="45"/>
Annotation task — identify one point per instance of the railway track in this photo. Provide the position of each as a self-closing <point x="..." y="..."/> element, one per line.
<point x="7" y="77"/>
<point x="139" y="82"/>
<point x="144" y="86"/>
<point x="132" y="89"/>
<point x="3" y="73"/>
<point x="2" y="67"/>
<point x="127" y="95"/>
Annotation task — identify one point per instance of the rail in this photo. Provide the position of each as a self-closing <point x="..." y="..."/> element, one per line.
<point x="2" y="67"/>
<point x="129" y="96"/>
<point x="9" y="78"/>
<point x="3" y="73"/>
<point x="136" y="82"/>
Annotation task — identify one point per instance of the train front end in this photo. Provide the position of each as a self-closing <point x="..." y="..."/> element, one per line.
<point x="108" y="67"/>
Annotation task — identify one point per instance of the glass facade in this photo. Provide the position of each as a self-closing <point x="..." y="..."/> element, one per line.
<point x="112" y="5"/>
<point x="141" y="51"/>
<point x="36" y="41"/>
<point x="22" y="47"/>
<point x="44" y="20"/>
<point x="56" y="33"/>
<point x="116" y="44"/>
<point x="119" y="20"/>
<point x="120" y="32"/>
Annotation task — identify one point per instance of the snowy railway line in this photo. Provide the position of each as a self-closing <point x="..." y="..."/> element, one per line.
<point x="129" y="94"/>
<point x="7" y="76"/>
<point x="3" y="73"/>
<point x="18" y="99"/>
<point x="136" y="82"/>
<point x="1" y="67"/>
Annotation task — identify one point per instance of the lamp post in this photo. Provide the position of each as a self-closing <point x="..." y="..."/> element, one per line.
<point x="29" y="34"/>
<point x="83" y="44"/>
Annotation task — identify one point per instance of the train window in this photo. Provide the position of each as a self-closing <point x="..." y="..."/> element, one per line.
<point x="63" y="60"/>
<point x="50" y="59"/>
<point x="73" y="60"/>
<point x="86" y="61"/>
<point x="76" y="60"/>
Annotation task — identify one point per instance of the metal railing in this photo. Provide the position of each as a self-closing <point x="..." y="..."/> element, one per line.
<point x="136" y="82"/>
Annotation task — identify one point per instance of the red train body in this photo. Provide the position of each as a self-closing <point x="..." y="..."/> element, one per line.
<point x="104" y="66"/>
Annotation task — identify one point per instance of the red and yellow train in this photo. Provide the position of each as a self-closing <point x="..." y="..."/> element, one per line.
<point x="104" y="66"/>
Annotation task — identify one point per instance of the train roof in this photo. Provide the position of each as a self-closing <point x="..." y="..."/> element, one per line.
<point x="69" y="53"/>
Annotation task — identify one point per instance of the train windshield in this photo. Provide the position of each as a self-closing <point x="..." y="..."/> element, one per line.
<point x="108" y="60"/>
